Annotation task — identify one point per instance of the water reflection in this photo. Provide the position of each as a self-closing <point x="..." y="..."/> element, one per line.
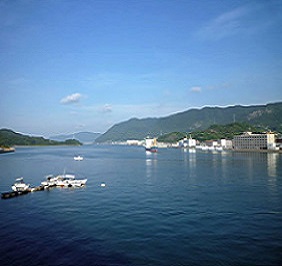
<point x="189" y="156"/>
<point x="151" y="163"/>
<point x="224" y="166"/>
<point x="272" y="159"/>
<point x="192" y="162"/>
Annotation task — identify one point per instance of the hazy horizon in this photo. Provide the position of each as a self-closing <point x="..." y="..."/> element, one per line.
<point x="94" y="132"/>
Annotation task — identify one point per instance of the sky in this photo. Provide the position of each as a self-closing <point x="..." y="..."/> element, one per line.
<point x="84" y="65"/>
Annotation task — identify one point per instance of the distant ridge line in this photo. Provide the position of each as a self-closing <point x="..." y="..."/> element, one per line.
<point x="268" y="116"/>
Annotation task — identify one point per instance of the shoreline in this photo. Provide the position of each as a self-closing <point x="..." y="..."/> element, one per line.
<point x="260" y="151"/>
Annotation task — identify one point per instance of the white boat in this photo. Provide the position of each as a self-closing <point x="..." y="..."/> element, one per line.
<point x="151" y="145"/>
<point x="78" y="158"/>
<point x="51" y="181"/>
<point x="68" y="180"/>
<point x="20" y="185"/>
<point x="65" y="180"/>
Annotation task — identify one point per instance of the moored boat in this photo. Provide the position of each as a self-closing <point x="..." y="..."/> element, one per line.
<point x="20" y="185"/>
<point x="64" y="180"/>
<point x="50" y="181"/>
<point x="151" y="144"/>
<point x="69" y="180"/>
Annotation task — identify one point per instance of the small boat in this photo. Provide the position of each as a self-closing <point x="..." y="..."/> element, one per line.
<point x="20" y="185"/>
<point x="65" y="180"/>
<point x="51" y="181"/>
<point x="151" y="145"/>
<point x="78" y="158"/>
<point x="68" y="180"/>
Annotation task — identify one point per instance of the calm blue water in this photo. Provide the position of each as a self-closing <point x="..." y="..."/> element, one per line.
<point x="169" y="208"/>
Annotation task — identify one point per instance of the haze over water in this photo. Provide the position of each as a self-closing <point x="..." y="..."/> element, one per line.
<point x="171" y="208"/>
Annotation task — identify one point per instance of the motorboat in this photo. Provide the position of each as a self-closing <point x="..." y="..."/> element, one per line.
<point x="51" y="181"/>
<point x="64" y="180"/>
<point x="78" y="158"/>
<point x="20" y="185"/>
<point x="151" y="144"/>
<point x="68" y="180"/>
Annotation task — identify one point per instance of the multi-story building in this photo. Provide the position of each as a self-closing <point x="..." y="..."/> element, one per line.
<point x="250" y="141"/>
<point x="226" y="143"/>
<point x="187" y="143"/>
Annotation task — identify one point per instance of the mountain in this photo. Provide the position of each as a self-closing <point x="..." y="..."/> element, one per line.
<point x="10" y="138"/>
<point x="214" y="132"/>
<point x="84" y="137"/>
<point x="267" y="116"/>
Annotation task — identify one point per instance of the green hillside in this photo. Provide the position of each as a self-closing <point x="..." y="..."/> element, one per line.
<point x="10" y="138"/>
<point x="214" y="132"/>
<point x="268" y="117"/>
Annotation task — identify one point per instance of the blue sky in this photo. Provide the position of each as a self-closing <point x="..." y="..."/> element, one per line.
<point x="72" y="65"/>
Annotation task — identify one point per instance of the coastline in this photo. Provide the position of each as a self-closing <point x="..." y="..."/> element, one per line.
<point x="257" y="150"/>
<point x="13" y="149"/>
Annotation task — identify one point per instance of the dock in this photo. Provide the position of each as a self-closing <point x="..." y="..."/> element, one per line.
<point x="12" y="194"/>
<point x="20" y="188"/>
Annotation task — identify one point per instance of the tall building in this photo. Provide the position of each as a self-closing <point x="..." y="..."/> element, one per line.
<point x="250" y="141"/>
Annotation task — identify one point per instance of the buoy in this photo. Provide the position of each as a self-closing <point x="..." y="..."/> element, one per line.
<point x="103" y="185"/>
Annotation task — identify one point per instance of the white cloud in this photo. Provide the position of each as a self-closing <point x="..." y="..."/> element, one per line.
<point x="70" y="99"/>
<point x="107" y="108"/>
<point x="226" y="24"/>
<point x="196" y="89"/>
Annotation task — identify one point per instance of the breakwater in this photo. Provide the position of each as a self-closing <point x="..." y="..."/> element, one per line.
<point x="12" y="194"/>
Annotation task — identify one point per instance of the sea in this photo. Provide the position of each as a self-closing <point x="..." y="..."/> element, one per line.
<point x="173" y="207"/>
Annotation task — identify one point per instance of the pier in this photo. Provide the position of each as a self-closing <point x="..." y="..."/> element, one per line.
<point x="12" y="194"/>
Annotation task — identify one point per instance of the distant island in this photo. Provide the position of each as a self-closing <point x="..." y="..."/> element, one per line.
<point x="9" y="138"/>
<point x="83" y="137"/>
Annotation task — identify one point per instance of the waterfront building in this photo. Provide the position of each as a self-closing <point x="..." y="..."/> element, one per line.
<point x="226" y="143"/>
<point x="191" y="143"/>
<point x="187" y="143"/>
<point x="134" y="142"/>
<point x="250" y="141"/>
<point x="279" y="143"/>
<point x="211" y="143"/>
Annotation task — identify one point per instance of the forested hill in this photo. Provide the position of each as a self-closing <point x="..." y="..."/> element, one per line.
<point x="265" y="116"/>
<point x="10" y="138"/>
<point x="214" y="132"/>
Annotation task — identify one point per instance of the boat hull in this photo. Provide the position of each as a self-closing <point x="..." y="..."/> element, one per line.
<point x="151" y="149"/>
<point x="64" y="181"/>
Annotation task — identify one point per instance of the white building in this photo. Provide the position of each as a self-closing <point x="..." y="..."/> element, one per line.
<point x="191" y="143"/>
<point x="226" y="143"/>
<point x="250" y="141"/>
<point x="134" y="142"/>
<point x="187" y="143"/>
